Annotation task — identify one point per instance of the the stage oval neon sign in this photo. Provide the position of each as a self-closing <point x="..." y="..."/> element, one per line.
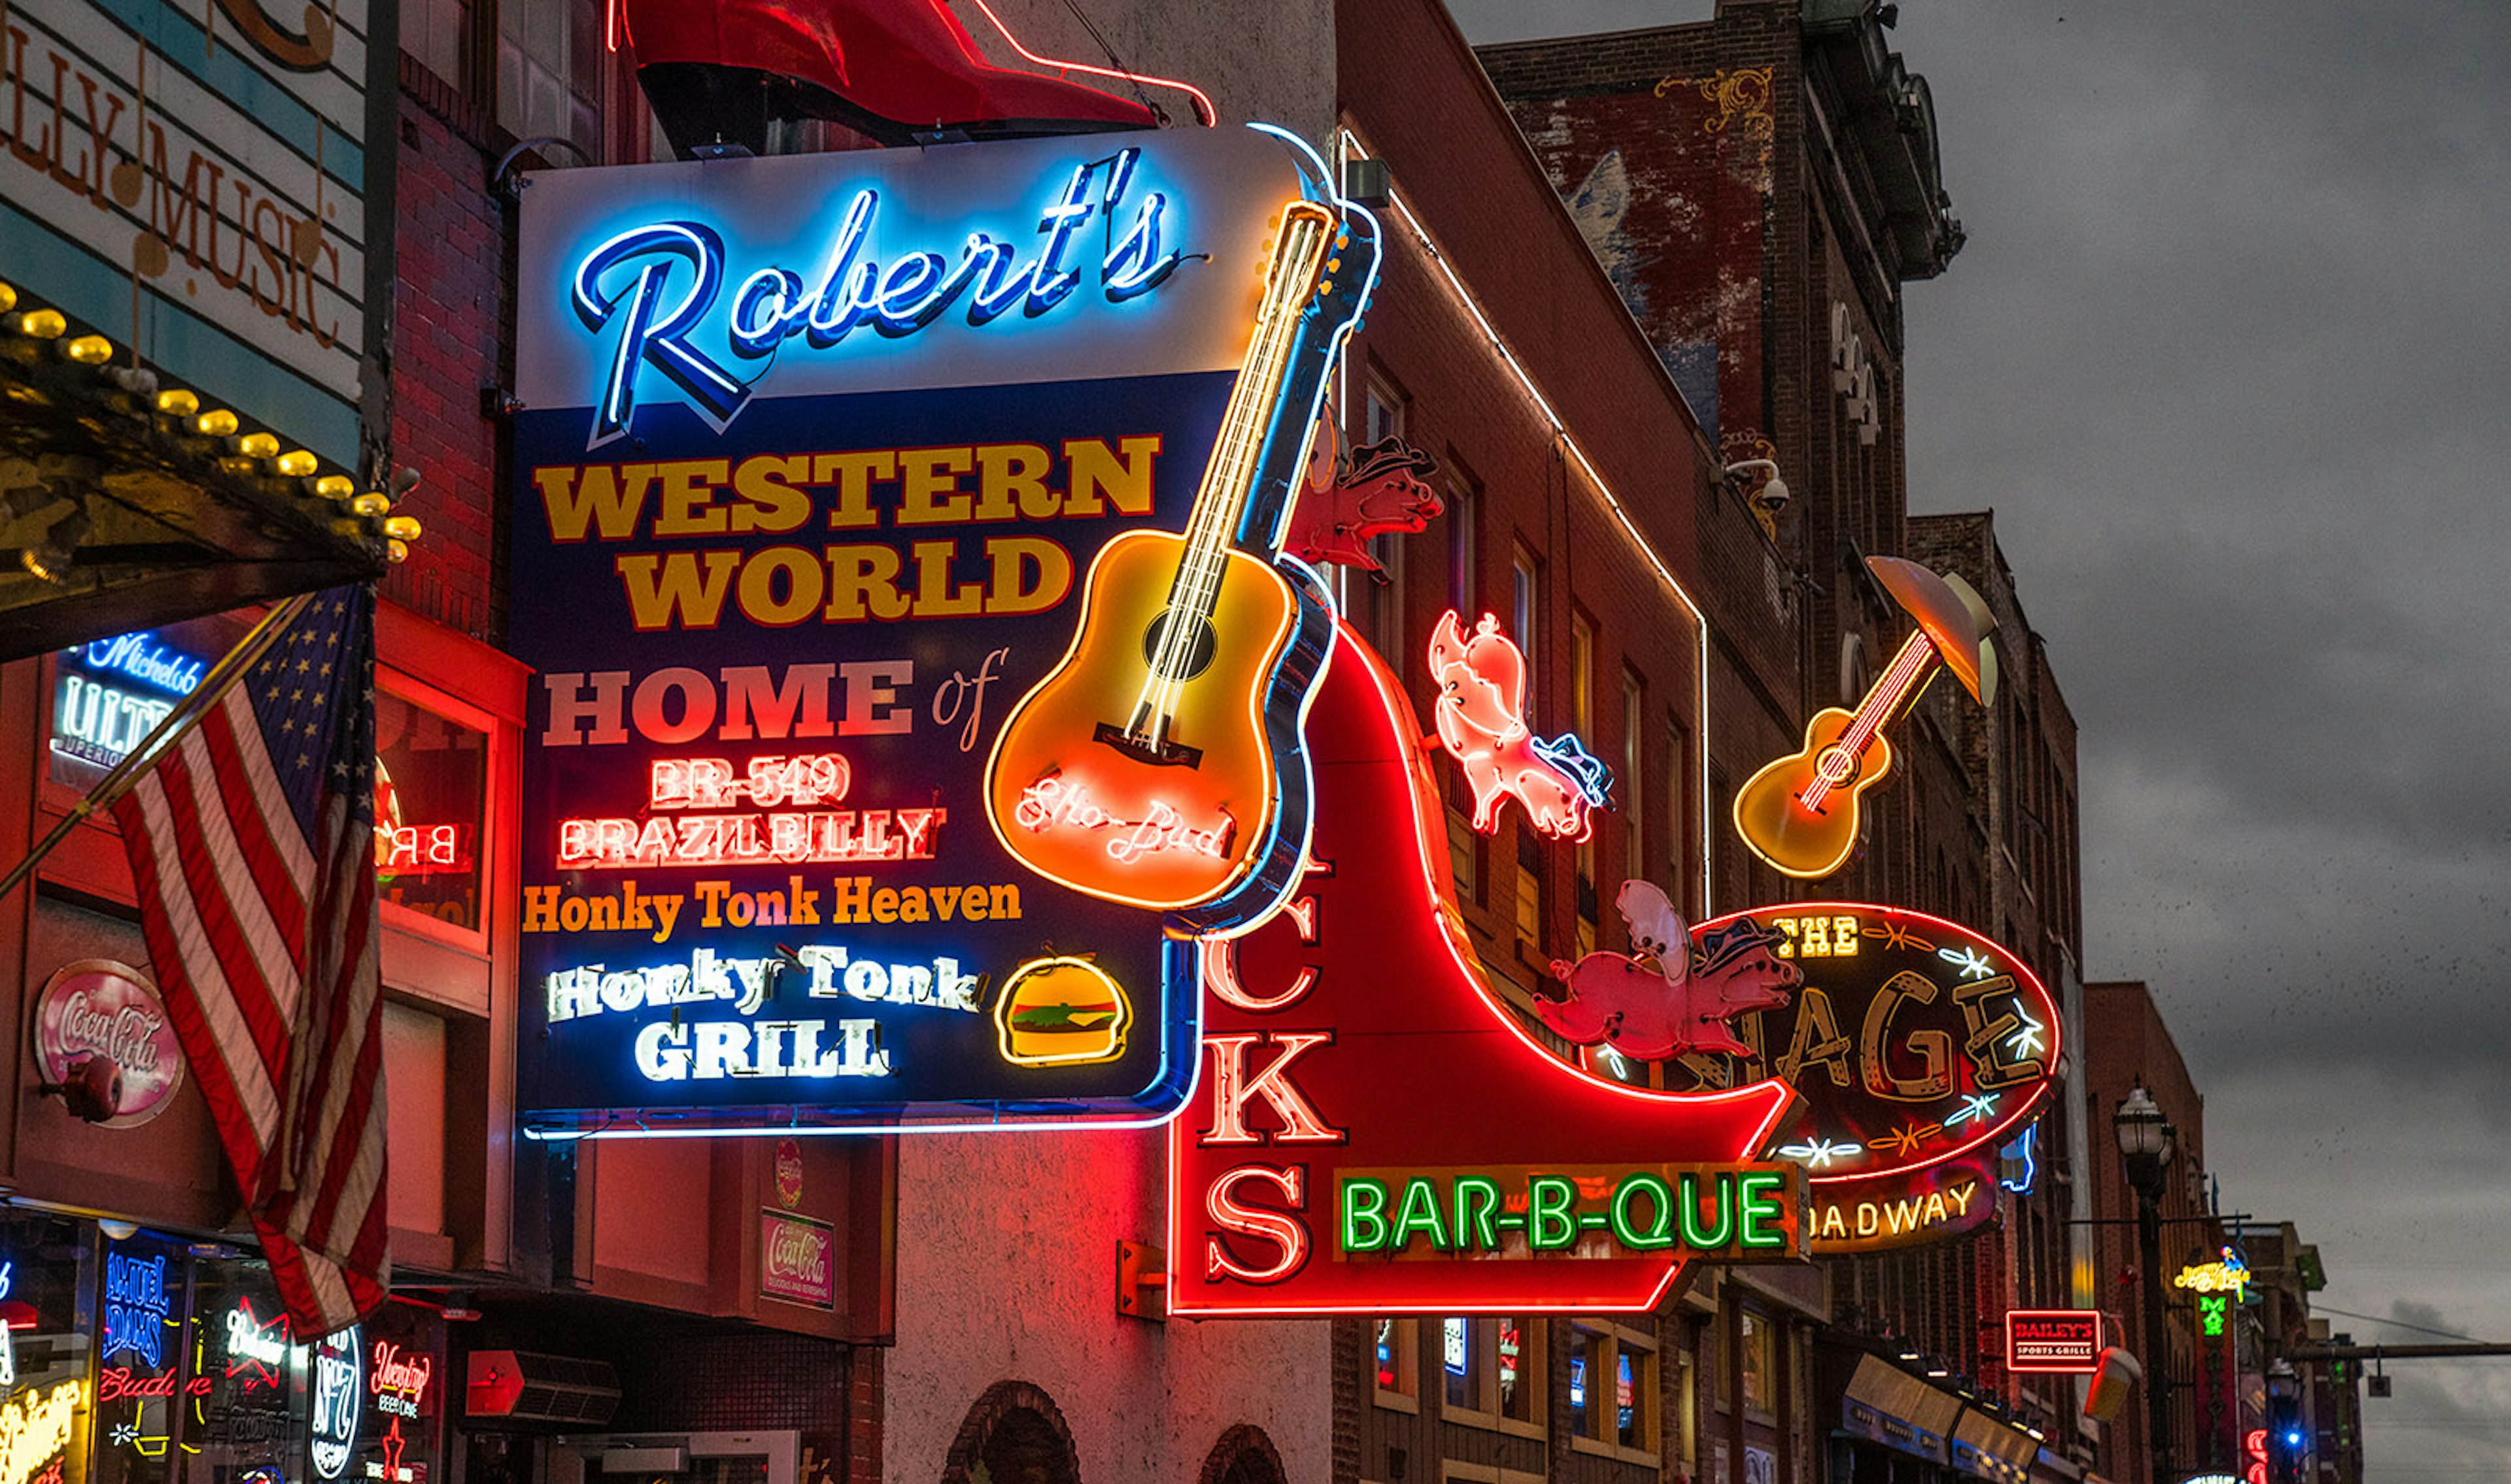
<point x="1911" y="1041"/>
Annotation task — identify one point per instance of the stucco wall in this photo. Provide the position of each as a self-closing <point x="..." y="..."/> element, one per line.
<point x="1007" y="1271"/>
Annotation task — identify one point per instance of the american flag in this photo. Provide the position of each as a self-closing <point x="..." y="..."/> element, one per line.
<point x="251" y="844"/>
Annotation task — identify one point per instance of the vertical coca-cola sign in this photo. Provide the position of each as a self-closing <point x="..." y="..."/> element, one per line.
<point x="798" y="1260"/>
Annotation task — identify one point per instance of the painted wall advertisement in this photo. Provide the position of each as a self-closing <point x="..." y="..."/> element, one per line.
<point x="816" y="455"/>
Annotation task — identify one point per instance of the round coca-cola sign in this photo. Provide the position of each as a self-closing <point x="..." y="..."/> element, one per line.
<point x="99" y="1025"/>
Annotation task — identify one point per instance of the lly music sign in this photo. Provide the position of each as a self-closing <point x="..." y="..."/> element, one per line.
<point x="816" y="457"/>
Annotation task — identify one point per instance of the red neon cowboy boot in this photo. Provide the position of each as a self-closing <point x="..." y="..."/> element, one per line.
<point x="892" y="71"/>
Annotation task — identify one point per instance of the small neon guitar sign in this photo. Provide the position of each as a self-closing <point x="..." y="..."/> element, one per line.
<point x="1800" y="812"/>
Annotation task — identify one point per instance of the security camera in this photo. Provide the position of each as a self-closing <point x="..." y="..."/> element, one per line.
<point x="1773" y="494"/>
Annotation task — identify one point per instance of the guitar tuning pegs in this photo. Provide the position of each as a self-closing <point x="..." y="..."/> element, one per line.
<point x="1333" y="263"/>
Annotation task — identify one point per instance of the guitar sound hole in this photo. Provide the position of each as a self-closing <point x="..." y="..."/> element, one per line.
<point x="1198" y="651"/>
<point x="1836" y="766"/>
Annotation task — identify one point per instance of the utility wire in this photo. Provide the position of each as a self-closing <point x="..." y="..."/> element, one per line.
<point x="2373" y="1318"/>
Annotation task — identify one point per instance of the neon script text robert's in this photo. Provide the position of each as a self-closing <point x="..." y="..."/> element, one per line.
<point x="660" y="282"/>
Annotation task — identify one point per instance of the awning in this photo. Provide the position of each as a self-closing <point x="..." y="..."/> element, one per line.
<point x="1887" y="1405"/>
<point x="143" y="514"/>
<point x="1992" y="1449"/>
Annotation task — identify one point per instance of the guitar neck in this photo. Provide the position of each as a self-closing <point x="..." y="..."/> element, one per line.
<point x="1299" y="260"/>
<point x="1894" y="689"/>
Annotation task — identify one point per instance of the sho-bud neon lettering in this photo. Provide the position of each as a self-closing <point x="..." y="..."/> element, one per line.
<point x="1058" y="801"/>
<point x="658" y="284"/>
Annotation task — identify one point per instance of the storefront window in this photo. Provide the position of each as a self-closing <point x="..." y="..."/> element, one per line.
<point x="197" y="1376"/>
<point x="1457" y="1365"/>
<point x="109" y="693"/>
<point x="1583" y="1412"/>
<point x="431" y="779"/>
<point x="1630" y="1385"/>
<point x="1755" y="1361"/>
<point x="1393" y="1361"/>
<point x="141" y="1363"/>
<point x="1518" y="1369"/>
<point x="47" y="1299"/>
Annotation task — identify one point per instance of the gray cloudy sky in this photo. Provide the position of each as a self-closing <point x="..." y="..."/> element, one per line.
<point x="2226" y="354"/>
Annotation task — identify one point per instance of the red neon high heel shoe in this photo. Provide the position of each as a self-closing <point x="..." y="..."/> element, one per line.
<point x="892" y="71"/>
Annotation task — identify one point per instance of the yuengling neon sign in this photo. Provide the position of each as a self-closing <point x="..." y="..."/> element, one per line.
<point x="659" y="282"/>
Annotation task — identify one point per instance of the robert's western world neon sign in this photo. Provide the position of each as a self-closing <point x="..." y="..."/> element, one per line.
<point x="656" y="288"/>
<point x="778" y="623"/>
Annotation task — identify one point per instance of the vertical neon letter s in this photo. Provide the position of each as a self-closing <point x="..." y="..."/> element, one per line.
<point x="650" y="333"/>
<point x="1284" y="1231"/>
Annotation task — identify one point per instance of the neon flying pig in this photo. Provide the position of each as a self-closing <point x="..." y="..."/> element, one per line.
<point x="1668" y="1000"/>
<point x="1481" y="716"/>
<point x="1380" y="491"/>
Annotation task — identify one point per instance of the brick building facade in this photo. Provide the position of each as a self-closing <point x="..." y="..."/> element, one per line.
<point x="1586" y="512"/>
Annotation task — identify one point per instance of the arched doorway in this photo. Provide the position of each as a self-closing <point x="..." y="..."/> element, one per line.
<point x="1243" y="1456"/>
<point x="1013" y="1434"/>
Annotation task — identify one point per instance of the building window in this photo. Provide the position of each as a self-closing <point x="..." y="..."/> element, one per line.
<point x="1394" y="1361"/>
<point x="1584" y="1349"/>
<point x="1582" y="722"/>
<point x="1633" y="1385"/>
<point x="431" y="785"/>
<point x="1525" y="601"/>
<point x="1464" y="513"/>
<point x="1614" y="1391"/>
<point x="1492" y="1371"/>
<point x="1380" y="609"/>
<point x="1634" y="811"/>
<point x="1754" y="1363"/>
<point x="1013" y="1431"/>
<point x="1460" y="1366"/>
<point x="1529" y="888"/>
<point x="550" y="61"/>
<point x="1682" y="1427"/>
<point x="432" y="32"/>
<point x="541" y="69"/>
<point x="1519" y="1341"/>
<point x="1678" y="813"/>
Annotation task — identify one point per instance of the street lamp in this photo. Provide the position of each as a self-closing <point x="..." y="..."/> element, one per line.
<point x="2284" y="1415"/>
<point x="2144" y="1141"/>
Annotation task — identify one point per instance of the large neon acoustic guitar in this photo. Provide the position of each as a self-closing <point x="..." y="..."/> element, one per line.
<point x="1157" y="764"/>
<point x="1801" y="812"/>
